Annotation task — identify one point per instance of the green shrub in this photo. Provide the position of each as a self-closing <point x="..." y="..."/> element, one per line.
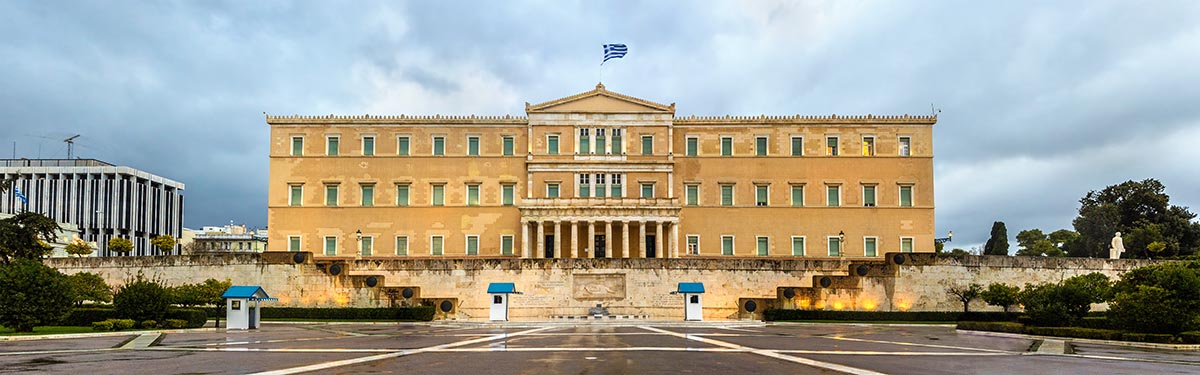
<point x="1009" y="327"/>
<point x="1160" y="338"/>
<point x="419" y="313"/>
<point x="141" y="299"/>
<point x="89" y="287"/>
<point x="123" y="324"/>
<point x="149" y="324"/>
<point x="1161" y="298"/>
<point x="174" y="323"/>
<point x="1083" y="333"/>
<point x="32" y="294"/>
<point x="927" y="316"/>
<point x="105" y="325"/>
<point x="1096" y="322"/>
<point x="85" y="316"/>
<point x="1000" y="294"/>
<point x="193" y="318"/>
<point x="1190" y="337"/>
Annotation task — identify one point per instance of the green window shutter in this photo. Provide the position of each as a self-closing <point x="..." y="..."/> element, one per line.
<point x="600" y="146"/>
<point x="760" y="196"/>
<point x="585" y="145"/>
<point x="472" y="245"/>
<point x="367" y="244"/>
<point x="402" y="245"/>
<point x="402" y="149"/>
<point x="762" y="246"/>
<point x="693" y="192"/>
<point x="472" y="195"/>
<point x="647" y="145"/>
<point x="368" y="196"/>
<point x="439" y="146"/>
<point x="726" y="146"/>
<point x="647" y="190"/>
<point x="506" y="245"/>
<point x="435" y="245"/>
<point x="552" y="191"/>
<point x="797" y="196"/>
<point x="331" y="195"/>
<point x="832" y="196"/>
<point x="616" y="144"/>
<point x="869" y="247"/>
<point x="297" y="146"/>
<point x="906" y="245"/>
<point x="692" y="146"/>
<point x="616" y="190"/>
<point x="401" y="195"/>
<point x="726" y="195"/>
<point x="439" y="195"/>
<point x="297" y="194"/>
<point x="835" y="247"/>
<point x="585" y="190"/>
<point x="831" y="146"/>
<point x="798" y="246"/>
<point x="552" y="145"/>
<point x="332" y="146"/>
<point x="760" y="146"/>
<point x="508" y="195"/>
<point x="508" y="146"/>
<point x="330" y="245"/>
<point x="294" y="243"/>
<point x="369" y="146"/>
<point x="726" y="245"/>
<point x="869" y="196"/>
<point x="473" y="146"/>
<point x="797" y="146"/>
<point x="906" y="196"/>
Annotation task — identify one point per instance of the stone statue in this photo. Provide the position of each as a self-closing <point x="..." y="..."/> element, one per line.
<point x="1118" y="247"/>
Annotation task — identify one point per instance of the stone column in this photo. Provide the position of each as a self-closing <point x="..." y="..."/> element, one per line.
<point x="557" y="239"/>
<point x="608" y="248"/>
<point x="625" y="239"/>
<point x="540" y="251"/>
<point x="658" y="239"/>
<point x="574" y="238"/>
<point x="674" y="240"/>
<point x="590" y="241"/>
<point x="641" y="239"/>
<point x="524" y="239"/>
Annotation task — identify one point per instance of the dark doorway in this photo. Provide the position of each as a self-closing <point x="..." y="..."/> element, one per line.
<point x="549" y="247"/>
<point x="651" y="252"/>
<point x="599" y="246"/>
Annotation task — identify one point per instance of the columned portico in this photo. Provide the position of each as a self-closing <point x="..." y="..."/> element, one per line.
<point x="605" y="217"/>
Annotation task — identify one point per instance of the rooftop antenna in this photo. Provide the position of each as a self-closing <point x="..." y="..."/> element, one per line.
<point x="70" y="145"/>
<point x="934" y="111"/>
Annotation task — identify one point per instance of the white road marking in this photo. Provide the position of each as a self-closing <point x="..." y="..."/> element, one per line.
<point x="772" y="354"/>
<point x="848" y="352"/>
<point x="354" y="361"/>
<point x="912" y="344"/>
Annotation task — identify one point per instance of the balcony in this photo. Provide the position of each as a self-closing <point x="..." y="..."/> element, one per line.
<point x="601" y="202"/>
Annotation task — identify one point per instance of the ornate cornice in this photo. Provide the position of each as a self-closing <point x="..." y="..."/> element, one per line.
<point x="599" y="91"/>
<point x="869" y="119"/>
<point x="395" y="119"/>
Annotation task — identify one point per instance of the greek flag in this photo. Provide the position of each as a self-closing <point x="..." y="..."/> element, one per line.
<point x="614" y="51"/>
<point x="21" y="195"/>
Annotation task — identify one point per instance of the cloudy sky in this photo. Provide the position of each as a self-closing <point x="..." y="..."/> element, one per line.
<point x="1040" y="101"/>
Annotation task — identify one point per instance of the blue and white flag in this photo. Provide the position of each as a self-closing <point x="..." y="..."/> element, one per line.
<point x="614" y="51"/>
<point x="21" y="195"/>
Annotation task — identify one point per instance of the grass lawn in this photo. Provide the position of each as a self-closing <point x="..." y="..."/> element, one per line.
<point x="47" y="330"/>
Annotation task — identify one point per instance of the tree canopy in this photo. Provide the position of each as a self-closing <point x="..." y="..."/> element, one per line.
<point x="1142" y="212"/>
<point x="998" y="243"/>
<point x="32" y="294"/>
<point x="24" y="236"/>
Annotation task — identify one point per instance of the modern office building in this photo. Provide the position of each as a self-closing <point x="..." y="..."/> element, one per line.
<point x="102" y="199"/>
<point x="601" y="174"/>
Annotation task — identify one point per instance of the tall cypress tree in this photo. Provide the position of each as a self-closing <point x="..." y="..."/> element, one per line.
<point x="998" y="244"/>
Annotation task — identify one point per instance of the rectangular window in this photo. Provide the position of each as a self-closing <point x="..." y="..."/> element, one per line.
<point x="507" y="142"/>
<point x="506" y="245"/>
<point x="585" y="185"/>
<point x="693" y="195"/>
<point x="616" y="141"/>
<point x="648" y="190"/>
<point x="835" y="247"/>
<point x="551" y="190"/>
<point x="293" y="243"/>
<point x="368" y="195"/>
<point x="402" y="145"/>
<point x="366" y="246"/>
<point x="693" y="146"/>
<point x="435" y="245"/>
<point x="833" y="195"/>
<point x="868" y="195"/>
<point x="797" y="195"/>
<point x="296" y="196"/>
<point x="906" y="196"/>
<point x="472" y="245"/>
<point x="647" y="145"/>
<point x="760" y="195"/>
<point x="869" y="246"/>
<point x="726" y="195"/>
<point x="726" y="245"/>
<point x="330" y="245"/>
<point x="868" y="146"/>
<point x="762" y="246"/>
<point x="402" y="194"/>
<point x="472" y="195"/>
<point x="798" y="246"/>
<point x="693" y="245"/>
<point x="600" y="146"/>
<point x="439" y="146"/>
<point x="401" y="245"/>
<point x="600" y="190"/>
<point x="297" y="146"/>
<point x="331" y="195"/>
<point x="552" y="144"/>
<point x="585" y="143"/>
<point x="368" y="146"/>
<point x="473" y="146"/>
<point x="831" y="146"/>
<point x="506" y="194"/>
<point x="905" y="146"/>
<point x="906" y="244"/>
<point x="760" y="146"/>
<point x="797" y="146"/>
<point x="726" y="146"/>
<point x="616" y="186"/>
<point x="439" y="196"/>
<point x="331" y="145"/>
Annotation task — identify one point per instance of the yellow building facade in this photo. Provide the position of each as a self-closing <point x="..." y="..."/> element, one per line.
<point x="601" y="174"/>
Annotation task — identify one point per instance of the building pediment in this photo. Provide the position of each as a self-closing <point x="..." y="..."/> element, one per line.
<point x="600" y="100"/>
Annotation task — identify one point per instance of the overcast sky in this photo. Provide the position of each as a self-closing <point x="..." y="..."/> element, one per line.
<point x="1040" y="101"/>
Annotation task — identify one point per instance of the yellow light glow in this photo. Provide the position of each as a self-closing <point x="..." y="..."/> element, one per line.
<point x="838" y="305"/>
<point x="869" y="305"/>
<point x="903" y="305"/>
<point x="804" y="303"/>
<point x="820" y="305"/>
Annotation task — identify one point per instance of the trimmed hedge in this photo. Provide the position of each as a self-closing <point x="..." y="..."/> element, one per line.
<point x="1076" y="332"/>
<point x="174" y="323"/>
<point x="1010" y="327"/>
<point x="928" y="316"/>
<point x="193" y="318"/>
<point x="420" y="313"/>
<point x="1190" y="337"/>
<point x="1096" y="322"/>
<point x="85" y="316"/>
<point x="1160" y="338"/>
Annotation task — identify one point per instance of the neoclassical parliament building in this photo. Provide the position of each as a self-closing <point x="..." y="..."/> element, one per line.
<point x="601" y="175"/>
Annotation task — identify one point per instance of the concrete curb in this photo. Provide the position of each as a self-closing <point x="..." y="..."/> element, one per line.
<point x="864" y="324"/>
<point x="102" y="334"/>
<point x="1132" y="344"/>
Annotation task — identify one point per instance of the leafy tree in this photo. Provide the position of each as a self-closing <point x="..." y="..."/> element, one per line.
<point x="965" y="294"/>
<point x="1066" y="303"/>
<point x="163" y="243"/>
<point x="998" y="243"/>
<point x="1161" y="298"/>
<point x="89" y="287"/>
<point x="32" y="294"/>
<point x="1000" y="294"/>
<point x="78" y="247"/>
<point x="120" y="245"/>
<point x="141" y="299"/>
<point x="938" y="247"/>
<point x="1035" y="243"/>
<point x="1140" y="209"/>
<point x="24" y="236"/>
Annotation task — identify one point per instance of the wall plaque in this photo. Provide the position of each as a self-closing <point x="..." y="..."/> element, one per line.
<point x="603" y="286"/>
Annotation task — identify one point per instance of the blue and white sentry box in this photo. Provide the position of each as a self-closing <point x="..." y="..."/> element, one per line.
<point x="693" y="307"/>
<point x="499" y="293"/>
<point x="241" y="306"/>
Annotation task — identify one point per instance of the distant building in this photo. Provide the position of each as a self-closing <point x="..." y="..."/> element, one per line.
<point x="101" y="199"/>
<point x="229" y="238"/>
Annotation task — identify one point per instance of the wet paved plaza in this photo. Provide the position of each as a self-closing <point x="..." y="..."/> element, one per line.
<point x="632" y="348"/>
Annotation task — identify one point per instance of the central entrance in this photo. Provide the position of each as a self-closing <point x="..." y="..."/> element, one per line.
<point x="651" y="251"/>
<point x="601" y="252"/>
<point x="549" y="251"/>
